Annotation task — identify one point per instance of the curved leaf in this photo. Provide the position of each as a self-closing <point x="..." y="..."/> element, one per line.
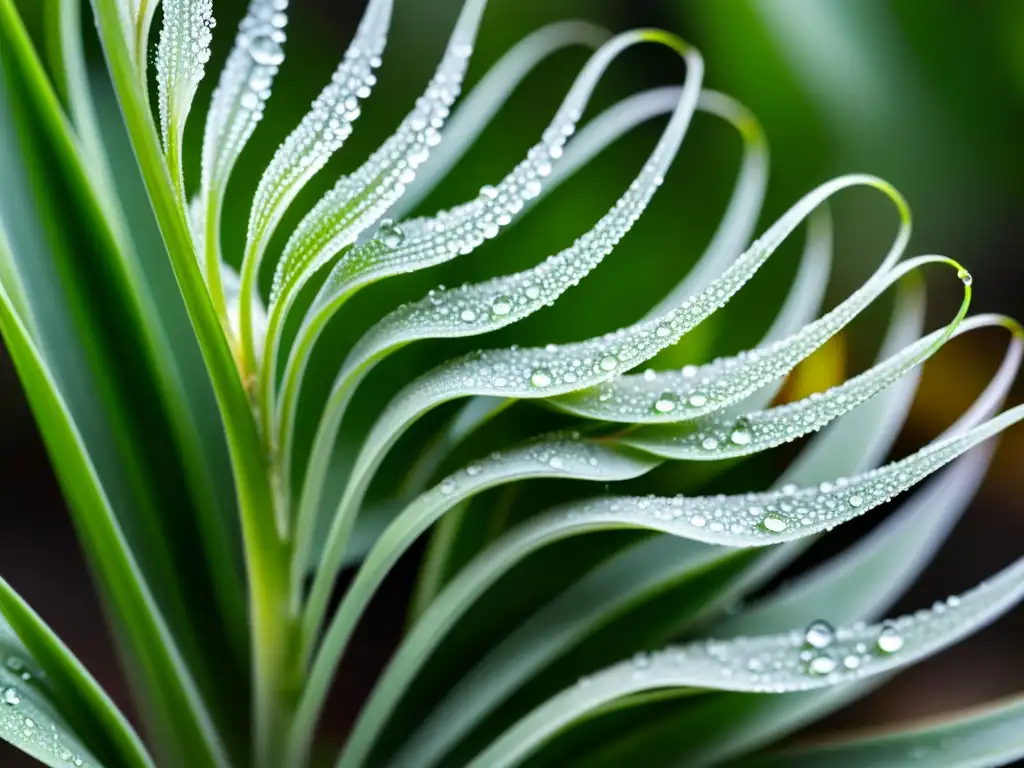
<point x="793" y="661"/>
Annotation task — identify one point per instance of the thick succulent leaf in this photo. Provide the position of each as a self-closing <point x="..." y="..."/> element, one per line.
<point x="173" y="702"/>
<point x="181" y="58"/>
<point x="477" y="109"/>
<point x="428" y="241"/>
<point x="723" y="436"/>
<point x="496" y="206"/>
<point x="792" y="661"/>
<point x="320" y="133"/>
<point x="235" y="110"/>
<point x="980" y="738"/>
<point x="558" y="456"/>
<point x="49" y="677"/>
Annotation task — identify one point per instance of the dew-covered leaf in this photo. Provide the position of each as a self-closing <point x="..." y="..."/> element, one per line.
<point x="558" y="456"/>
<point x="320" y="133"/>
<point x="428" y="241"/>
<point x="979" y="738"/>
<point x="723" y="436"/>
<point x="235" y="110"/>
<point x="181" y="58"/>
<point x="477" y="109"/>
<point x="815" y="658"/>
<point x="360" y="198"/>
<point x="42" y="673"/>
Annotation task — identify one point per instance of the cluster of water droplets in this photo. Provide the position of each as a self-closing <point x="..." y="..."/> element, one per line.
<point x="325" y="127"/>
<point x="28" y="722"/>
<point x="244" y="88"/>
<point x="357" y="201"/>
<point x="181" y="58"/>
<point x="757" y="519"/>
<point x="694" y="391"/>
<point x="726" y="436"/>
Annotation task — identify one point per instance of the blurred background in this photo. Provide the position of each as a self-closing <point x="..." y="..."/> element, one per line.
<point x="929" y="96"/>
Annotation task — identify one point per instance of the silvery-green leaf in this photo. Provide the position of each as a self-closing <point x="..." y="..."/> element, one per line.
<point x="235" y="110"/>
<point x="404" y="247"/>
<point x="429" y="241"/>
<point x="477" y="109"/>
<point x="321" y="132"/>
<point x="360" y="198"/>
<point x="543" y="372"/>
<point x="722" y="436"/>
<point x="761" y="519"/>
<point x="793" y="661"/>
<point x="181" y="58"/>
<point x="557" y="456"/>
<point x="541" y="639"/>
<point x="979" y="738"/>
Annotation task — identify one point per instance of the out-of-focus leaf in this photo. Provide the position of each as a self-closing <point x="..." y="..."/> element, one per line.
<point x="981" y="738"/>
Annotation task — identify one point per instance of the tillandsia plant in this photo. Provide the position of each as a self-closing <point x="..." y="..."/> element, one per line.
<point x="216" y="528"/>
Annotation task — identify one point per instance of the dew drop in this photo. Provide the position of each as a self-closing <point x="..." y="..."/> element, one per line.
<point x="501" y="305"/>
<point x="666" y="403"/>
<point x="698" y="401"/>
<point x="740" y="435"/>
<point x="698" y="521"/>
<point x="889" y="640"/>
<point x="608" y="363"/>
<point x="774" y="524"/>
<point x="11" y="697"/>
<point x="541" y="378"/>
<point x="965" y="276"/>
<point x="709" y="444"/>
<point x="390" y="233"/>
<point x="856" y="501"/>
<point x="265" y="51"/>
<point x="819" y="634"/>
<point x="448" y="487"/>
<point x="468" y="315"/>
<point x="822" y="665"/>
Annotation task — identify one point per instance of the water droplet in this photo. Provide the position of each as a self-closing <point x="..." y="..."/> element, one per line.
<point x="819" y="634"/>
<point x="448" y="487"/>
<point x="965" y="276"/>
<point x="822" y="665"/>
<point x="666" y="403"/>
<point x="541" y="378"/>
<point x="698" y="521"/>
<point x="889" y="640"/>
<point x="741" y="434"/>
<point x="608" y="363"/>
<point x="265" y="51"/>
<point x="856" y="501"/>
<point x="852" y="661"/>
<point x="501" y="305"/>
<point x="774" y="524"/>
<point x="390" y="233"/>
<point x="11" y="697"/>
<point x="709" y="444"/>
<point x="468" y="315"/>
<point x="698" y="401"/>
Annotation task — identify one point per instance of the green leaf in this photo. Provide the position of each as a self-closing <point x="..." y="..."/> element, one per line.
<point x="173" y="703"/>
<point x="436" y="240"/>
<point x="65" y="686"/>
<point x="806" y="662"/>
<point x="992" y="735"/>
<point x="558" y="456"/>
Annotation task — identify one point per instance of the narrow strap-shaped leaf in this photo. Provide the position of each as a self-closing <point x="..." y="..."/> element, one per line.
<point x="179" y="708"/>
<point x="566" y="457"/>
<point x="28" y="718"/>
<point x="181" y="58"/>
<point x="137" y="20"/>
<point x="359" y="199"/>
<point x="235" y="110"/>
<point x="792" y="661"/>
<point x="722" y="436"/>
<point x="77" y="696"/>
<point x="320" y="133"/>
<point x="426" y="319"/>
<point x="552" y="370"/>
<point x="477" y="109"/>
<point x="980" y="738"/>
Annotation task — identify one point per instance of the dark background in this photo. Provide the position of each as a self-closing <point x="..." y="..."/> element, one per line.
<point x="927" y="95"/>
